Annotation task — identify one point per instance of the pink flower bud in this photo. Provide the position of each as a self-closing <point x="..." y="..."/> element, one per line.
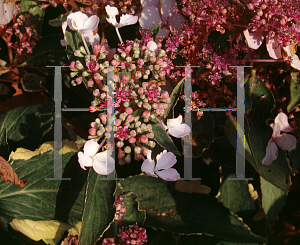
<point x="126" y="78"/>
<point x="115" y="62"/>
<point x="121" y="154"/>
<point x="116" y="78"/>
<point x="250" y="6"/>
<point x="96" y="92"/>
<point x="159" y="62"/>
<point x="97" y="76"/>
<point x="140" y="62"/>
<point x="143" y="139"/>
<point x="90" y="83"/>
<point x="162" y="74"/>
<point x="165" y="95"/>
<point x="96" y="49"/>
<point x="152" y="59"/>
<point x="93" y="125"/>
<point x="128" y="49"/>
<point x="78" y="80"/>
<point x="92" y="131"/>
<point x="223" y="11"/>
<point x="117" y="122"/>
<point x="103" y="118"/>
<point x="138" y="74"/>
<point x="137" y="157"/>
<point x="157" y="111"/>
<point x="72" y="65"/>
<point x="140" y="91"/>
<point x="283" y="21"/>
<point x="123" y="65"/>
<point x="128" y="110"/>
<point x="160" y="106"/>
<point x="151" y="135"/>
<point x="146" y="114"/>
<point x="132" y="133"/>
<point x="165" y="106"/>
<point x="146" y="105"/>
<point x="130" y="118"/>
<point x="131" y="140"/>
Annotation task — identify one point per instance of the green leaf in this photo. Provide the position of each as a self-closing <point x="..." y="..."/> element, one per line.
<point x="59" y="20"/>
<point x="155" y="29"/>
<point x="26" y="125"/>
<point x="295" y="91"/>
<point x="132" y="215"/>
<point x="185" y="213"/>
<point x="203" y="133"/>
<point x="231" y="133"/>
<point x="174" y="97"/>
<point x="294" y="155"/>
<point x="273" y="199"/>
<point x="36" y="13"/>
<point x="4" y="150"/>
<point x="98" y="211"/>
<point x="259" y="134"/>
<point x="234" y="194"/>
<point x="43" y="199"/>
<point x="163" y="139"/>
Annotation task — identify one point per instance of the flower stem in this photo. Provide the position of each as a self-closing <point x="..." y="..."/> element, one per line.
<point x="85" y="45"/>
<point x="119" y="36"/>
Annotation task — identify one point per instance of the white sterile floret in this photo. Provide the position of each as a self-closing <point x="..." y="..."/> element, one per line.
<point x="284" y="141"/>
<point x="80" y="22"/>
<point x="176" y="128"/>
<point x="101" y="162"/>
<point x="163" y="169"/>
<point x="125" y="20"/>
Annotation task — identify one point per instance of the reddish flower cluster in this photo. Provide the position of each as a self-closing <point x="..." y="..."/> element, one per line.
<point x="25" y="32"/>
<point x="276" y="17"/>
<point x="132" y="235"/>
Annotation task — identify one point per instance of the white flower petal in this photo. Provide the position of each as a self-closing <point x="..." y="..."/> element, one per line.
<point x="128" y="19"/>
<point x="253" y="39"/>
<point x="149" y="3"/>
<point x="276" y="130"/>
<point x="150" y="17"/>
<point x="271" y="153"/>
<point x="64" y="25"/>
<point x="91" y="147"/>
<point x="180" y="130"/>
<point x="76" y="20"/>
<point x="148" y="167"/>
<point x="295" y="62"/>
<point x="273" y="47"/>
<point x="6" y="12"/>
<point x="170" y="174"/>
<point x="111" y="11"/>
<point x="286" y="142"/>
<point x="90" y="24"/>
<point x="152" y="46"/>
<point x="84" y="160"/>
<point x="282" y="120"/>
<point x="165" y="160"/>
<point x="103" y="164"/>
<point x="166" y="8"/>
<point x="92" y="39"/>
<point x="174" y="122"/>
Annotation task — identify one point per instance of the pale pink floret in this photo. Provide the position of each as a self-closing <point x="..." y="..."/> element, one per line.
<point x="284" y="141"/>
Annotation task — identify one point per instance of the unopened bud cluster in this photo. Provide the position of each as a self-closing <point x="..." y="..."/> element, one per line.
<point x="135" y="108"/>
